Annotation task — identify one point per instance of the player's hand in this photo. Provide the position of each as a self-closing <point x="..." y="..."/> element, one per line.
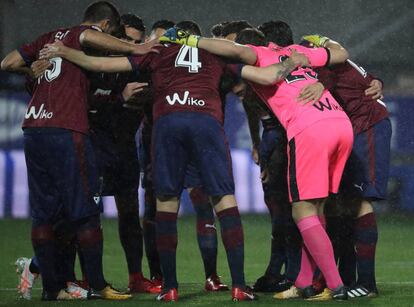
<point x="375" y="89"/>
<point x="147" y="47"/>
<point x="57" y="49"/>
<point x="299" y="59"/>
<point x="132" y="89"/>
<point x="311" y="93"/>
<point x="181" y="37"/>
<point x="255" y="155"/>
<point x="39" y="67"/>
<point x="316" y="40"/>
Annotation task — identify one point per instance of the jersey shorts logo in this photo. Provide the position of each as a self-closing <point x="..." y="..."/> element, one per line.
<point x="327" y="105"/>
<point x="42" y="113"/>
<point x="185" y="100"/>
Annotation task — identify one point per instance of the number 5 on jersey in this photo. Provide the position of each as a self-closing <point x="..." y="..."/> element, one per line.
<point x="188" y="57"/>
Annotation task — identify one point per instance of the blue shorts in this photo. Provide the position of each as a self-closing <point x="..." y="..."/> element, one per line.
<point x="192" y="177"/>
<point x="367" y="170"/>
<point x="118" y="163"/>
<point x="62" y="175"/>
<point x="273" y="157"/>
<point x="182" y="138"/>
<point x="273" y="139"/>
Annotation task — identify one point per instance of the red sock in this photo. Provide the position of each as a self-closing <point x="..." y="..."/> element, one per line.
<point x="320" y="248"/>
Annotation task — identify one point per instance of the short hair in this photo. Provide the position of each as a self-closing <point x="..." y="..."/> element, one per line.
<point x="190" y="26"/>
<point x="133" y="21"/>
<point x="277" y="32"/>
<point x="235" y="27"/>
<point x="163" y="24"/>
<point x="217" y="29"/>
<point x="101" y="10"/>
<point x="120" y="33"/>
<point x="252" y="37"/>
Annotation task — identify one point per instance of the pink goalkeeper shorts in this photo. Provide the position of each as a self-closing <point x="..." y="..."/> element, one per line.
<point x="317" y="157"/>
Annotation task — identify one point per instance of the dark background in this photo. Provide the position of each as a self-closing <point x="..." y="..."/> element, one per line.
<point x="378" y="34"/>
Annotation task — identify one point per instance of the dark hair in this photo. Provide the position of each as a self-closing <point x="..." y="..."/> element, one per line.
<point x="251" y="37"/>
<point x="235" y="27"/>
<point x="163" y="24"/>
<point x="277" y="32"/>
<point x="133" y="21"/>
<point x="120" y="33"/>
<point x="217" y="29"/>
<point x="190" y="26"/>
<point x="101" y="10"/>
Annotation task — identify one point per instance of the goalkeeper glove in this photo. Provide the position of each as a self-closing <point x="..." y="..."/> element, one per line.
<point x="181" y="37"/>
<point x="316" y="39"/>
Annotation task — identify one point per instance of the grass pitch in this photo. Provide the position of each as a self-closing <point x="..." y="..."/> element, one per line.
<point x="395" y="265"/>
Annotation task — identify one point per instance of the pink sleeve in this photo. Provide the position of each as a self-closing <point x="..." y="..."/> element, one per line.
<point x="318" y="57"/>
<point x="258" y="51"/>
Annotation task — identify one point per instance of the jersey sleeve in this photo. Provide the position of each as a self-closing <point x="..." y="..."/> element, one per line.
<point x="258" y="50"/>
<point x="318" y="57"/>
<point x="29" y="52"/>
<point x="327" y="77"/>
<point x="140" y="63"/>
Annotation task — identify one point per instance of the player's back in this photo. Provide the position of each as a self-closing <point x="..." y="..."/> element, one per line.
<point x="60" y="96"/>
<point x="351" y="81"/>
<point x="186" y="79"/>
<point x="283" y="101"/>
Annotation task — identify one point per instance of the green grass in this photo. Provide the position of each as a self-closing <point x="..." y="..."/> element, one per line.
<point x="395" y="265"/>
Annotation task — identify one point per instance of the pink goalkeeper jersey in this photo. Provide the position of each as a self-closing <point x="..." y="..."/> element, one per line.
<point x="282" y="97"/>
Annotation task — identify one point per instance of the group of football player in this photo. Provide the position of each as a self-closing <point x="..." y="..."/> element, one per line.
<point x="324" y="152"/>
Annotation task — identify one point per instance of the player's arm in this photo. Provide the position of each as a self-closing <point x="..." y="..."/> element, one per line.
<point x="229" y="49"/>
<point x="338" y="54"/>
<point x="98" y="64"/>
<point x="273" y="73"/>
<point x="102" y="41"/>
<point x="216" y="46"/>
<point x="14" y="62"/>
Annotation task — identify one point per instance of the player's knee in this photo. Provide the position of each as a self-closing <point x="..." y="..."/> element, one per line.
<point x="167" y="203"/>
<point x="224" y="202"/>
<point x="365" y="208"/>
<point x="89" y="231"/>
<point x="42" y="233"/>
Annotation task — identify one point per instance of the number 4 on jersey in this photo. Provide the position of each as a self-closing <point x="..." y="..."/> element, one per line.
<point x="188" y="57"/>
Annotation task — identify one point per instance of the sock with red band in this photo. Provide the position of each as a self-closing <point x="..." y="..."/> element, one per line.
<point x="149" y="233"/>
<point x="233" y="241"/>
<point x="366" y="237"/>
<point x="90" y="242"/>
<point x="206" y="230"/>
<point x="167" y="246"/>
<point x="44" y="245"/>
<point x="130" y="234"/>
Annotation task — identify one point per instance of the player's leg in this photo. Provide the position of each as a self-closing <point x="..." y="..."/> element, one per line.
<point x="269" y="165"/>
<point x="206" y="237"/>
<point x="80" y="190"/>
<point x="372" y="148"/>
<point x="169" y="157"/>
<point x="316" y="164"/>
<point x="149" y="231"/>
<point x="129" y="227"/>
<point x="340" y="223"/>
<point x="44" y="203"/>
<point x="148" y="224"/>
<point x="212" y="158"/>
